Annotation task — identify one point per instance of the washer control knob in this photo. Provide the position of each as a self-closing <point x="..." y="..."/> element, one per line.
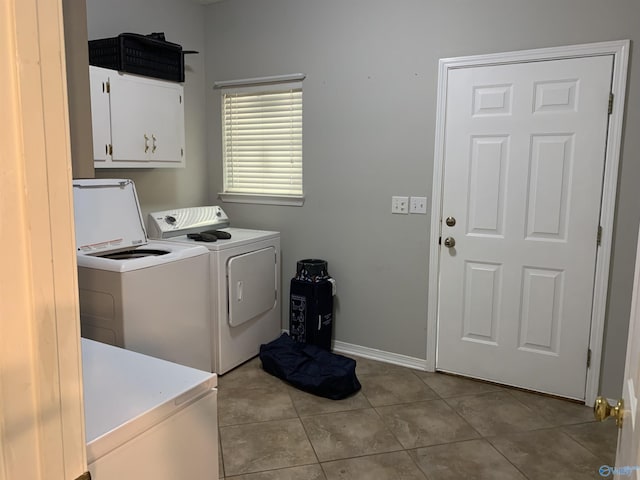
<point x="218" y="213"/>
<point x="170" y="219"/>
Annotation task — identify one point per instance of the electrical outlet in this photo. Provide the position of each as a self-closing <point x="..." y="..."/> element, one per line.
<point x="418" y="205"/>
<point x="400" y="205"/>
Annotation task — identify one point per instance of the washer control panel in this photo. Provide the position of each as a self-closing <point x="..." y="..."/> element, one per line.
<point x="181" y="221"/>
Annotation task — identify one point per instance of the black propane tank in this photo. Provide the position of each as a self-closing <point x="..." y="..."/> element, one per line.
<point x="311" y="304"/>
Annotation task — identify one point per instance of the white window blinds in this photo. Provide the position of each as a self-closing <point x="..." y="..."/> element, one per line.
<point x="262" y="139"/>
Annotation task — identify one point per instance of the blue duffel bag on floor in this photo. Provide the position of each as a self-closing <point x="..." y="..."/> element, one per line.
<point x="310" y="368"/>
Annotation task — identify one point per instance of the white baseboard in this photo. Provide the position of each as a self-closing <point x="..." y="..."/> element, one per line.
<point x="375" y="354"/>
<point x="380" y="355"/>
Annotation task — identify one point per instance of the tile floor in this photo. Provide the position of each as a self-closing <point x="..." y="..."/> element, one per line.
<point x="404" y="424"/>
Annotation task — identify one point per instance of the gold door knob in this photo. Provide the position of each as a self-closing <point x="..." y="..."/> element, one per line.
<point x="602" y="410"/>
<point x="450" y="221"/>
<point x="449" y="242"/>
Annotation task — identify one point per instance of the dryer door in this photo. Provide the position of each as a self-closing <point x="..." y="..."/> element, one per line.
<point x="252" y="285"/>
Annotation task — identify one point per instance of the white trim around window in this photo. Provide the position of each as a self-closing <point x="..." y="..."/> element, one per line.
<point x="290" y="200"/>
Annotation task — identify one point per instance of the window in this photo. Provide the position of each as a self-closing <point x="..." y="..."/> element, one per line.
<point x="262" y="141"/>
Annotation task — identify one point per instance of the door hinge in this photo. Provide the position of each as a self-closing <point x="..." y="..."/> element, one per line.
<point x="440" y="240"/>
<point x="108" y="86"/>
<point x="610" y="103"/>
<point x="85" y="476"/>
<point x="182" y="152"/>
<point x="599" y="238"/>
<point x="588" y="358"/>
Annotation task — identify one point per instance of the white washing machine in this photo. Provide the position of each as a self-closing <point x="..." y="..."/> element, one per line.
<point x="245" y="279"/>
<point x="149" y="297"/>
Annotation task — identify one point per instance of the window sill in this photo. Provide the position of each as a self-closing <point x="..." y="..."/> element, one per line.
<point x="289" y="200"/>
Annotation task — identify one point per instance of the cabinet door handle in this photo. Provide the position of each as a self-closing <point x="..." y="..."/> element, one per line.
<point x="153" y="148"/>
<point x="146" y="143"/>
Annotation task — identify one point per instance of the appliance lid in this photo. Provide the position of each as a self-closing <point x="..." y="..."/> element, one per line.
<point x="181" y="221"/>
<point x="107" y="216"/>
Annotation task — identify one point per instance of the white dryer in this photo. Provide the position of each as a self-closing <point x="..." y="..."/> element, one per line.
<point x="245" y="279"/>
<point x="149" y="297"/>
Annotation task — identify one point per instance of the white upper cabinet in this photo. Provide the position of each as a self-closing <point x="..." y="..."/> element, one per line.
<point x="138" y="121"/>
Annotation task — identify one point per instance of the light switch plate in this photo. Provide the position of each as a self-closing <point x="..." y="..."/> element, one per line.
<point x="418" y="205"/>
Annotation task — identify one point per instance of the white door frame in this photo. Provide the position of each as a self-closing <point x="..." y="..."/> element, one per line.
<point x="620" y="51"/>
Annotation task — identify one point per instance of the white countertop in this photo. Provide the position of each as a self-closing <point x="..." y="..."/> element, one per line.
<point x="126" y="392"/>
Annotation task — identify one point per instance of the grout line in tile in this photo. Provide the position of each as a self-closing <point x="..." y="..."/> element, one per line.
<point x="275" y="470"/>
<point x="462" y="418"/>
<point x="596" y="454"/>
<point x="364" y="455"/>
<point x="415" y="462"/>
<point x="486" y="439"/>
<point x="256" y="422"/>
<point x="375" y="455"/>
<point x="375" y="409"/>
<point x="221" y="456"/>
<point x="304" y="428"/>
<point x="337" y="411"/>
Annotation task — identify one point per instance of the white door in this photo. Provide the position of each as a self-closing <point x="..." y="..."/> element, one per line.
<point x="523" y="170"/>
<point x="629" y="437"/>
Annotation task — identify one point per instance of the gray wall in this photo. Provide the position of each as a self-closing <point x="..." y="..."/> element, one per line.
<point x="369" y="122"/>
<point x="76" y="58"/>
<point x="183" y="23"/>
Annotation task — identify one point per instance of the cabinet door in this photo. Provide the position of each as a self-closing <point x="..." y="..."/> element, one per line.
<point x="147" y="121"/>
<point x="130" y="100"/>
<point x="166" y="123"/>
<point x="100" y="114"/>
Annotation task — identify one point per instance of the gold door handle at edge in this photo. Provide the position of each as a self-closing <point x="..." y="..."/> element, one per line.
<point x="602" y="410"/>
<point x="449" y="242"/>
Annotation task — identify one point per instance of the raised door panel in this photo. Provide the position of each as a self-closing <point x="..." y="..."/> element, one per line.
<point x="481" y="303"/>
<point x="487" y="186"/>
<point x="541" y="310"/>
<point x="551" y="159"/>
